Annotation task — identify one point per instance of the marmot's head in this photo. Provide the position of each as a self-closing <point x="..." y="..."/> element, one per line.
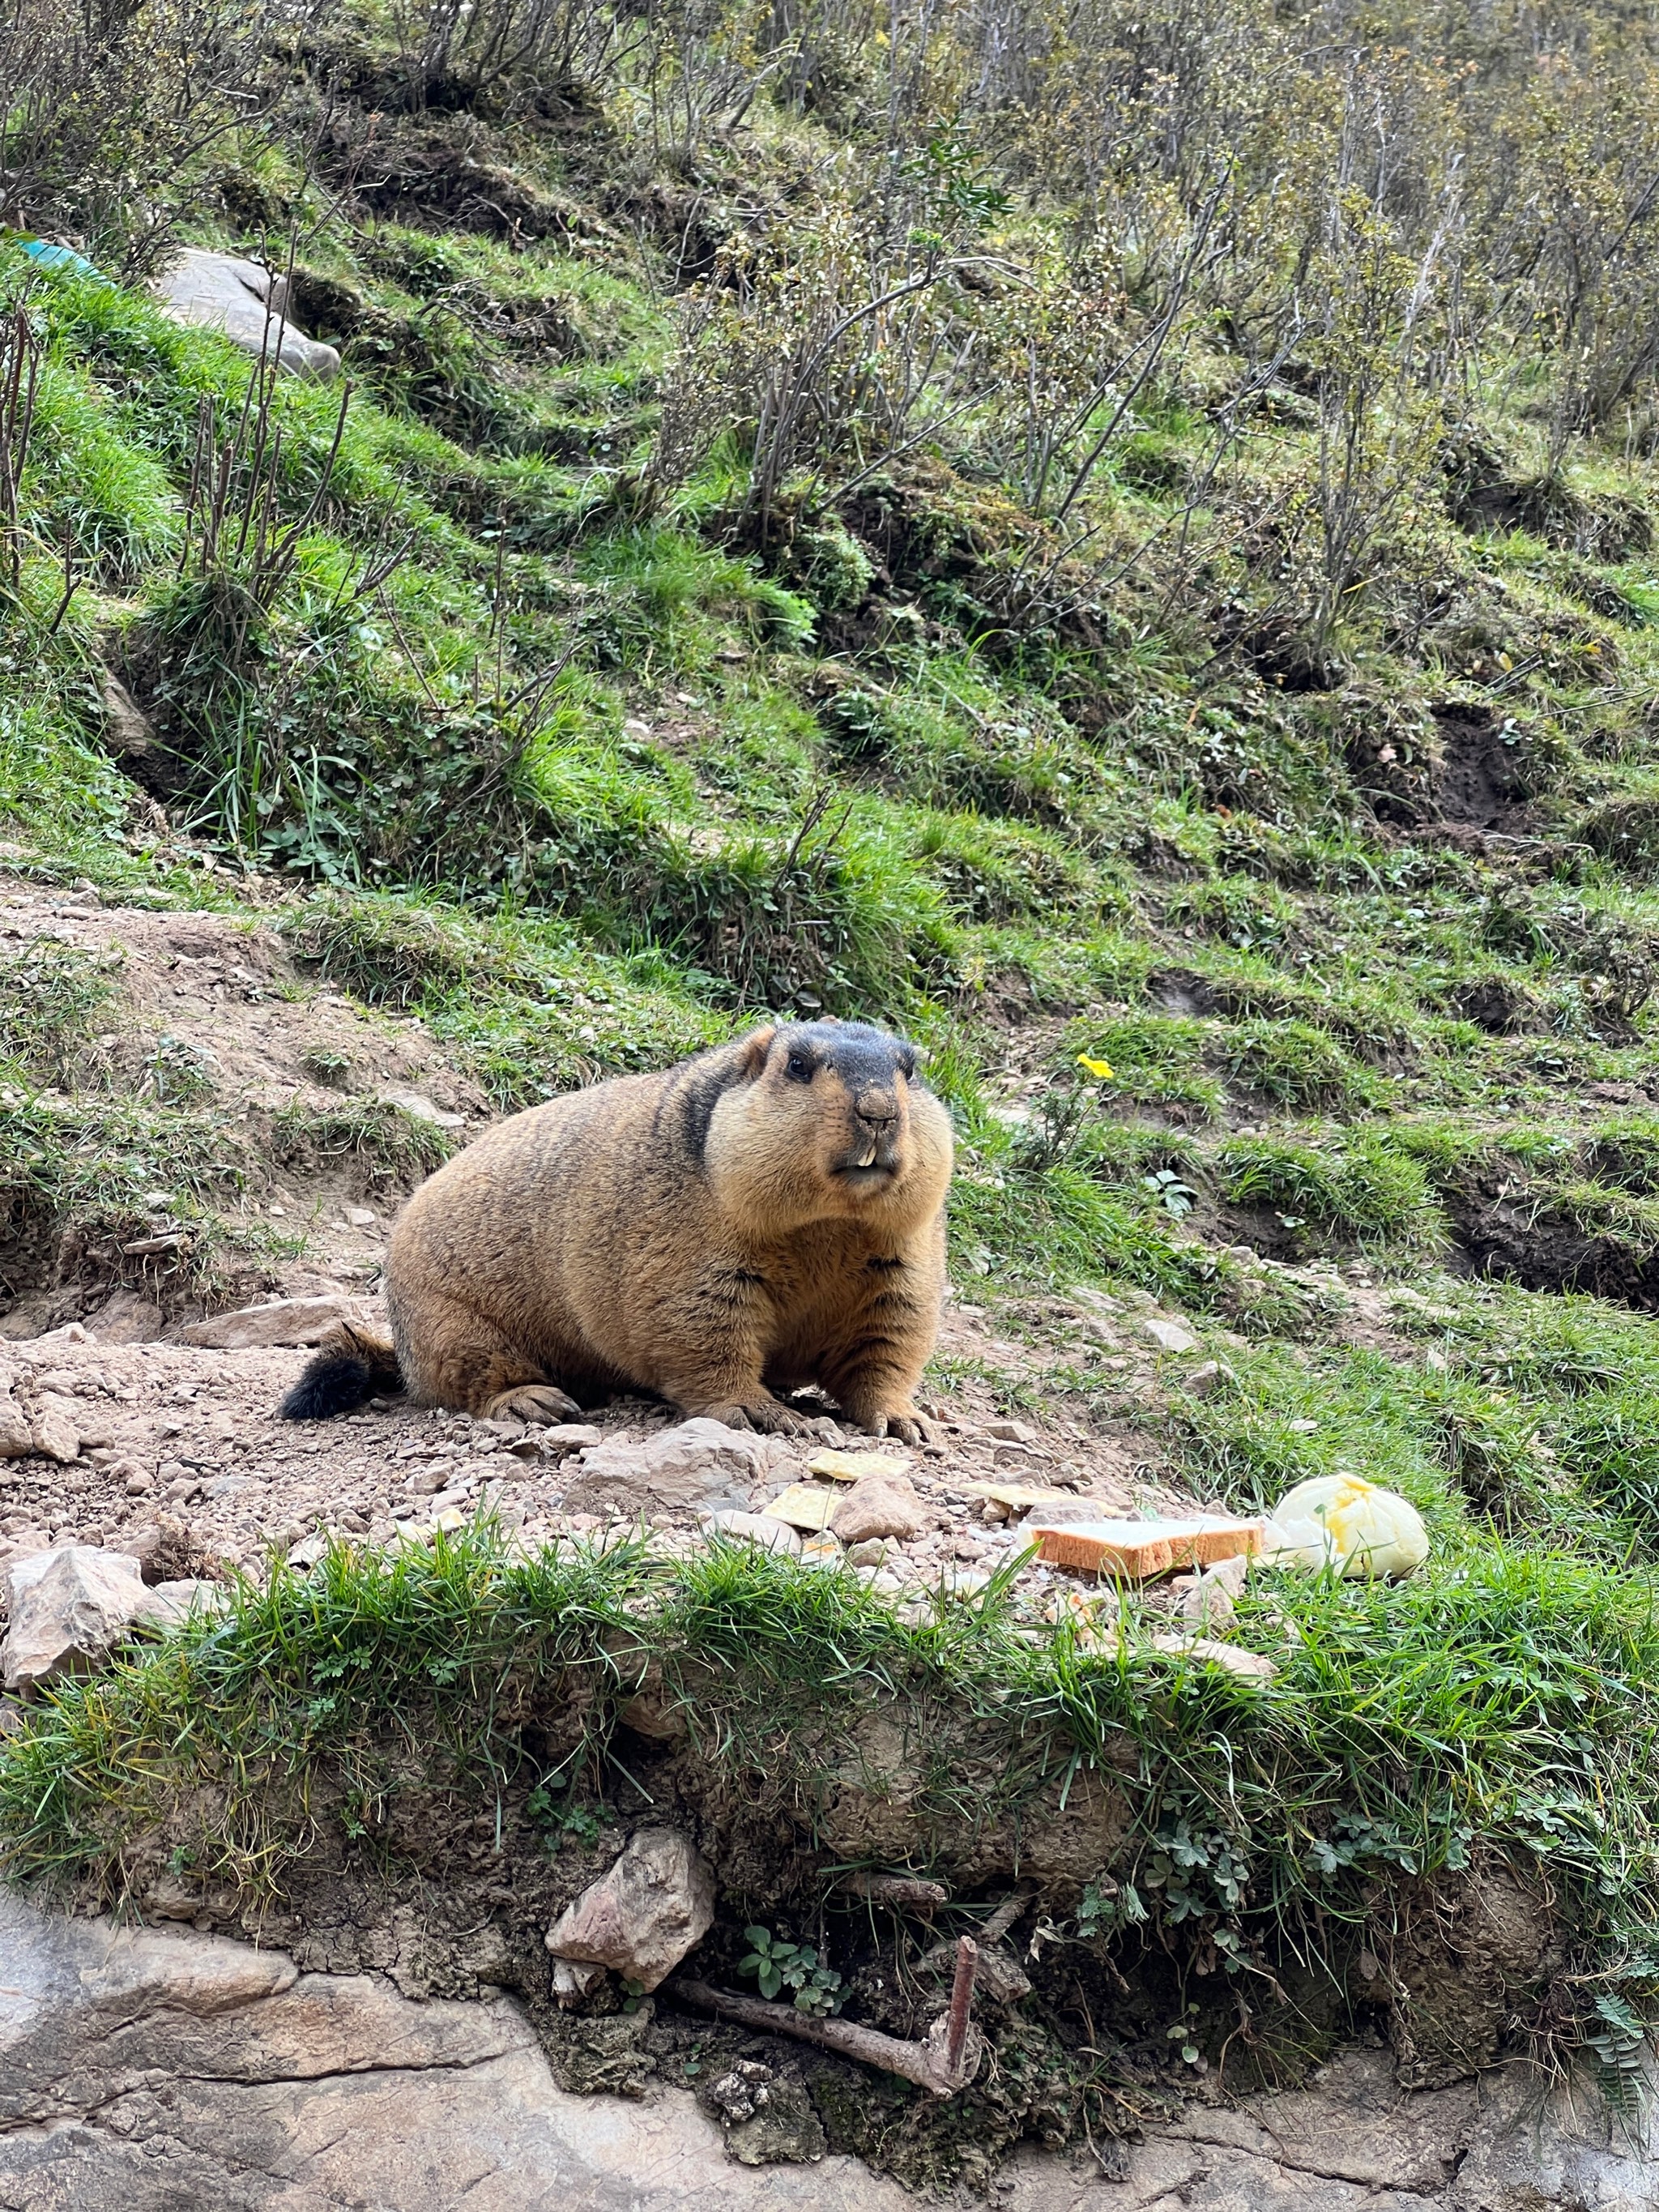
<point x="828" y="1118"/>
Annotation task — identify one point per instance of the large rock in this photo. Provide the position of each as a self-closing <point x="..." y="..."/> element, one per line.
<point x="699" y="1462"/>
<point x="69" y="1608"/>
<point x="222" y="292"/>
<point x="282" y="1321"/>
<point x="656" y="1904"/>
<point x="150" y="2071"/>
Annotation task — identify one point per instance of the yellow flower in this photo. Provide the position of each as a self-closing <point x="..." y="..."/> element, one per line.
<point x="1102" y="1068"/>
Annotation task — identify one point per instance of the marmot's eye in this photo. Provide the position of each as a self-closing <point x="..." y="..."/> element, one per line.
<point x="800" y="1068"/>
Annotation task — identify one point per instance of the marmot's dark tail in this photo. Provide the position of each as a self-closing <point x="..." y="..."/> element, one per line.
<point x="352" y="1365"/>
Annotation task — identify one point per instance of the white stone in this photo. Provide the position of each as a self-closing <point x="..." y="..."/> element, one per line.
<point x="656" y="1904"/>
<point x="1168" y="1335"/>
<point x="751" y="1528"/>
<point x="222" y="292"/>
<point x="423" y="1108"/>
<point x="1249" y="1666"/>
<point x="16" y="1438"/>
<point x="172" y="1604"/>
<point x="56" y="1428"/>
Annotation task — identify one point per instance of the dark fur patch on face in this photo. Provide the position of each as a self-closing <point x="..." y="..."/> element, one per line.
<point x="863" y="1056"/>
<point x="692" y="1101"/>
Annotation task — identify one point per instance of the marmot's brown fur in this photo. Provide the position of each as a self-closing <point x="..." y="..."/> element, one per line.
<point x="760" y="1217"/>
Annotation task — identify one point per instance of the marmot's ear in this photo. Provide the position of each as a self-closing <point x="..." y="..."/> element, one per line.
<point x="752" y="1051"/>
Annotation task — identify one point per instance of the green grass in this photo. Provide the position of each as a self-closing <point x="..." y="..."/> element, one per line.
<point x="1399" y="1743"/>
<point x="53" y="999"/>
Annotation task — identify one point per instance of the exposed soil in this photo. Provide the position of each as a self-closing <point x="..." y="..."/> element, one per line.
<point x="1476" y="782"/>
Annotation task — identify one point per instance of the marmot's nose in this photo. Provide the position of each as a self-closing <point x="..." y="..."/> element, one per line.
<point x="877" y="1109"/>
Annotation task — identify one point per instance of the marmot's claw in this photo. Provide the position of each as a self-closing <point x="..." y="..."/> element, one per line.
<point x="908" y="1428"/>
<point x="544" y="1403"/>
<point x="766" y="1416"/>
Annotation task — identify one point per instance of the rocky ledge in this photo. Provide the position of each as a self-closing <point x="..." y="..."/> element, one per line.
<point x="148" y="2071"/>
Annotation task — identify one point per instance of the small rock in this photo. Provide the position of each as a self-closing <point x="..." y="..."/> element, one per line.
<point x="879" y="1505"/>
<point x="305" y="1553"/>
<point x="1168" y="1335"/>
<point x="362" y="1217"/>
<point x="656" y="1904"/>
<point x="16" y="1438"/>
<point x="281" y="1321"/>
<point x="1249" y="1666"/>
<point x="1229" y="1575"/>
<point x="569" y="1436"/>
<point x="56" y="1435"/>
<point x="173" y="1603"/>
<point x="1207" y="1376"/>
<point x="761" y="1528"/>
<point x="1202" y="1604"/>
<point x="422" y="1108"/>
<point x="68" y="1607"/>
<point x="871" y="1553"/>
<point x="852" y="1466"/>
<point x="1011" y="1432"/>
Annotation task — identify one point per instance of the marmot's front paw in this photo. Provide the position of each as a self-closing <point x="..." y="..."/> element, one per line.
<point x="768" y="1416"/>
<point x="902" y="1423"/>
<point x="544" y="1403"/>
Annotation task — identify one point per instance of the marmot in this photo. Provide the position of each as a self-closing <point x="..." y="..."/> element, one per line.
<point x="765" y="1216"/>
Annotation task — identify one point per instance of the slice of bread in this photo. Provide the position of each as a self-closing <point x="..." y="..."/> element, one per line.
<point x="1133" y="1551"/>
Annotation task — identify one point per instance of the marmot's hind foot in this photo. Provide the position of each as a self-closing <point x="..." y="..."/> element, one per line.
<point x="543" y="1403"/>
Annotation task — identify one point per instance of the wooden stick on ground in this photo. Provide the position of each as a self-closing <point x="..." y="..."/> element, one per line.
<point x="945" y="2060"/>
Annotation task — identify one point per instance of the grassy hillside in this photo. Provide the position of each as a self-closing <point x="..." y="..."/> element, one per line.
<point x="1113" y="538"/>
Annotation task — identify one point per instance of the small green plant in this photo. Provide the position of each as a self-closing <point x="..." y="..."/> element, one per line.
<point x="178" y="1070"/>
<point x="1064" y="1116"/>
<point x="1183" y="2032"/>
<point x="324" y="1066"/>
<point x="564" y="1820"/>
<point x="778" y="1965"/>
<point x="1107" y="1907"/>
<point x="1168" y="1190"/>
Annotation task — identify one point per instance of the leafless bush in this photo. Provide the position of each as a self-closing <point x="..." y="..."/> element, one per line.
<point x="492" y="45"/>
<point x="106" y="103"/>
<point x="826" y="364"/>
<point x="20" y="377"/>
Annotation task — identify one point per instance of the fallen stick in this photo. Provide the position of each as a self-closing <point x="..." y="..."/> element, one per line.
<point x="904" y="1893"/>
<point x="945" y="2061"/>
